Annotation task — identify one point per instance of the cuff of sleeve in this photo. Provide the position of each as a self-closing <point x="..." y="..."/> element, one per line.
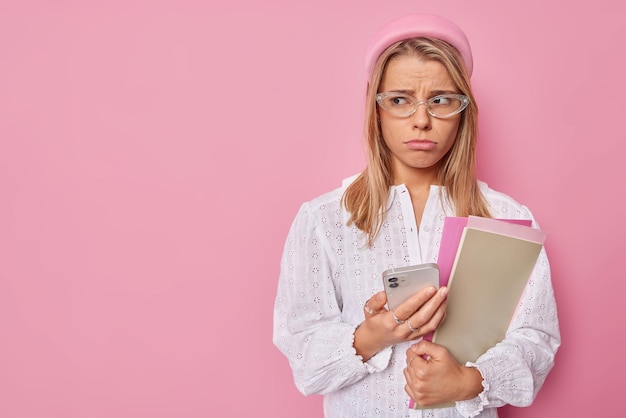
<point x="379" y="361"/>
<point x="473" y="407"/>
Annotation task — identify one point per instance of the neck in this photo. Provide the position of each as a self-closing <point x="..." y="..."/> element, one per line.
<point x="416" y="179"/>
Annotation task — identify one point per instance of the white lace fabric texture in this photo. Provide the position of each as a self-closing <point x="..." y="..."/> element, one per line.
<point x="327" y="273"/>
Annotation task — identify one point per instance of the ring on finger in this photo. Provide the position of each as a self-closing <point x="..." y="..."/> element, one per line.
<point x="368" y="309"/>
<point x="408" y="323"/>
<point x="398" y="320"/>
<point x="408" y="364"/>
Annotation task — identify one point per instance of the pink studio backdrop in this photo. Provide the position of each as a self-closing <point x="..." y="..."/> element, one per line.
<point x="153" y="155"/>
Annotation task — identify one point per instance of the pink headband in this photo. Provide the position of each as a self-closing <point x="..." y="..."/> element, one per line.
<point x="420" y="25"/>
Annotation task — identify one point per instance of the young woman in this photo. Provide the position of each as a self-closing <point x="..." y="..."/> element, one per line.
<point x="330" y="316"/>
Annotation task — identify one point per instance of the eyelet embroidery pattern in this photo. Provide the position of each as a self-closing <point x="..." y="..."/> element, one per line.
<point x="327" y="272"/>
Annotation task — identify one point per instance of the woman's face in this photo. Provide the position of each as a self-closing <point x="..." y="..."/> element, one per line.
<point x="418" y="142"/>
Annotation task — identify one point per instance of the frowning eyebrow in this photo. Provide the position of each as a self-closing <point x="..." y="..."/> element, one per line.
<point x="432" y="93"/>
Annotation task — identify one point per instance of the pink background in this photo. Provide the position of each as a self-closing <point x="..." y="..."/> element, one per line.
<point x="153" y="155"/>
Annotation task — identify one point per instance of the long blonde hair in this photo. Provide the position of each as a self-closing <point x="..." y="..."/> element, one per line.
<point x="366" y="198"/>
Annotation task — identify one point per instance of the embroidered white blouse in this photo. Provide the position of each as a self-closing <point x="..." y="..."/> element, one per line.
<point x="327" y="273"/>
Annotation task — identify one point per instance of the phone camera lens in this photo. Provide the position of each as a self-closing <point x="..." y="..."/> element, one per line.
<point x="393" y="285"/>
<point x="393" y="279"/>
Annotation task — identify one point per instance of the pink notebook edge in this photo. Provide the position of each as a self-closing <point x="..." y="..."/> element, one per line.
<point x="508" y="227"/>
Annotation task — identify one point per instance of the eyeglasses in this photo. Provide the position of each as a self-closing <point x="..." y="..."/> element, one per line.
<point x="441" y="106"/>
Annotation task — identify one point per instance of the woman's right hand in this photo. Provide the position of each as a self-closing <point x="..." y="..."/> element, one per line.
<point x="419" y="315"/>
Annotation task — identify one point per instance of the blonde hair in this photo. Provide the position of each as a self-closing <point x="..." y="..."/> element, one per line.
<point x="366" y="198"/>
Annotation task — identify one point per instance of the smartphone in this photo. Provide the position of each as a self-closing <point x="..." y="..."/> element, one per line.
<point x="402" y="282"/>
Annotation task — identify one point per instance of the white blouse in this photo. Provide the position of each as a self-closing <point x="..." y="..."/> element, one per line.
<point x="327" y="273"/>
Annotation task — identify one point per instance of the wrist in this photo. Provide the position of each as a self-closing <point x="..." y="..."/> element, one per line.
<point x="363" y="345"/>
<point x="473" y="383"/>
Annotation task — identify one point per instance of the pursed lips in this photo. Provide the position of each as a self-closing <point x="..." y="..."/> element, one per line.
<point x="420" y="144"/>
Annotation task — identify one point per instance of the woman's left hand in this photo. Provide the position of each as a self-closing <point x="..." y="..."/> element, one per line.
<point x="434" y="376"/>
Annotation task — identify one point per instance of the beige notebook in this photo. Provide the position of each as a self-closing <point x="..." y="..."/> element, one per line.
<point x="488" y="278"/>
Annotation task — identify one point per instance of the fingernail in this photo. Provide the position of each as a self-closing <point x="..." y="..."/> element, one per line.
<point x="431" y="291"/>
<point x="443" y="291"/>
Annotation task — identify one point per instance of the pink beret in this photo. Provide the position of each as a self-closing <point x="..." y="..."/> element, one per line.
<point x="419" y="25"/>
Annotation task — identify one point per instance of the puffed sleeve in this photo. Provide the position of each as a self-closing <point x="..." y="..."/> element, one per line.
<point x="308" y="327"/>
<point x="516" y="368"/>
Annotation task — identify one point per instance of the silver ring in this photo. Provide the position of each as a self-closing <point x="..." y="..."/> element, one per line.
<point x="395" y="318"/>
<point x="408" y="323"/>
<point x="367" y="308"/>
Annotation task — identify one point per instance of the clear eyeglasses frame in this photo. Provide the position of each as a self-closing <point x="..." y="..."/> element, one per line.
<point x="441" y="106"/>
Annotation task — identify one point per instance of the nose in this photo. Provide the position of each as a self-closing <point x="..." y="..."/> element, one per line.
<point x="421" y="117"/>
